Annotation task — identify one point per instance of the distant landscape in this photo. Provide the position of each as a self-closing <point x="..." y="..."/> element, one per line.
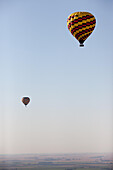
<point x="75" y="161"/>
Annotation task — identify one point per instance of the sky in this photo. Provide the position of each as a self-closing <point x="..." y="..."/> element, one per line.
<point x="71" y="88"/>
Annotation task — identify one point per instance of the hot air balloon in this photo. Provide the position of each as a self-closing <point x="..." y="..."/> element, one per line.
<point x="81" y="25"/>
<point x="25" y="100"/>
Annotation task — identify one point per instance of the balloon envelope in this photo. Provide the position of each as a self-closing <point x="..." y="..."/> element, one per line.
<point x="25" y="100"/>
<point x="81" y="25"/>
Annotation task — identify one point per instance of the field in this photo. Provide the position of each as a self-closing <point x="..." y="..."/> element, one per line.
<point x="86" y="161"/>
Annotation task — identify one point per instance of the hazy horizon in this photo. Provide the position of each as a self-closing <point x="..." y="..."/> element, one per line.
<point x="58" y="153"/>
<point x="71" y="92"/>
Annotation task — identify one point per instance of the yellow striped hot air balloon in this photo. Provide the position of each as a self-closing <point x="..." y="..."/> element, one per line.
<point x="81" y="25"/>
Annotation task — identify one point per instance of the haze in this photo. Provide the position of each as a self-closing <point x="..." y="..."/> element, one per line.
<point x="71" y="88"/>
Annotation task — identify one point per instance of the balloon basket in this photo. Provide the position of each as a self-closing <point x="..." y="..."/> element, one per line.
<point x="81" y="45"/>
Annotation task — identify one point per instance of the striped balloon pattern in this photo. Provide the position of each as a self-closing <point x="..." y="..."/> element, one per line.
<point x="81" y="25"/>
<point x="25" y="100"/>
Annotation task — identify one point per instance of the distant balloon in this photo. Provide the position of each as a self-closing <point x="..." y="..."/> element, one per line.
<point x="25" y="100"/>
<point x="81" y="25"/>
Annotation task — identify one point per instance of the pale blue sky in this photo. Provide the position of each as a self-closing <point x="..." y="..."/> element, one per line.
<point x="71" y="88"/>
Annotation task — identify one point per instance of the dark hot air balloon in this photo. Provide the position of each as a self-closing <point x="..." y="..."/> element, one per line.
<point x="81" y="25"/>
<point x="25" y="100"/>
